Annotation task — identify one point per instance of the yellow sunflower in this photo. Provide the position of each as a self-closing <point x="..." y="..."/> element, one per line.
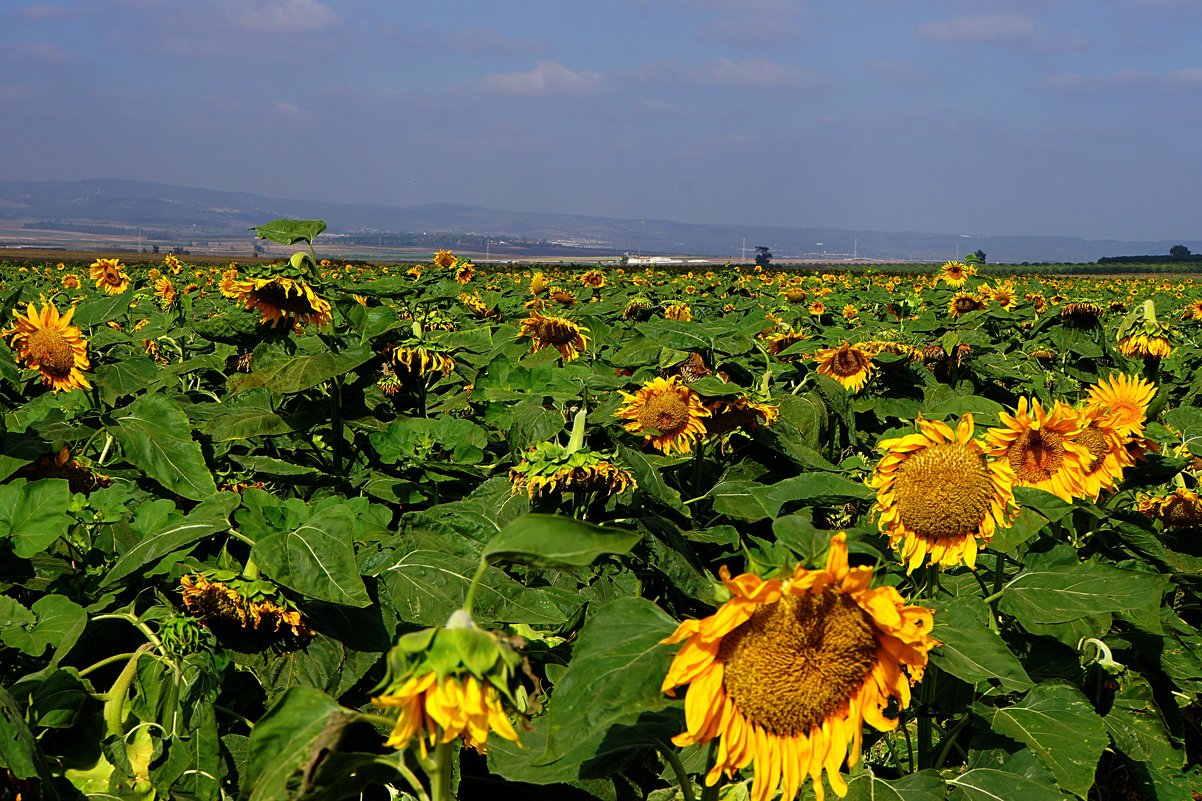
<point x="47" y="342"/>
<point x="1157" y="347"/>
<point x="679" y="312"/>
<point x="1180" y="509"/>
<point x="165" y="291"/>
<point x="955" y="273"/>
<point x="963" y="303"/>
<point x="444" y="258"/>
<point x="850" y="365"/>
<point x="787" y="672"/>
<point x="1125" y="399"/>
<point x="441" y="709"/>
<point x="1108" y="453"/>
<point x="1041" y="448"/>
<point x="668" y="415"/>
<point x="939" y="495"/>
<point x="109" y="275"/>
<point x="284" y="301"/>
<point x="548" y="330"/>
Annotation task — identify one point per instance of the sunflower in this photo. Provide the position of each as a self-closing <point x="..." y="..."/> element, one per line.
<point x="1083" y="313"/>
<point x="788" y="670"/>
<point x="1180" y="509"/>
<point x="667" y="414"/>
<point x="548" y="330"/>
<point x="109" y="275"/>
<point x="679" y="312"/>
<point x="465" y="271"/>
<point x="1004" y="296"/>
<point x="850" y="365"/>
<point x="955" y="273"/>
<point x="421" y="360"/>
<point x="228" y="285"/>
<point x="71" y="281"/>
<point x="850" y="312"/>
<point x="47" y="342"/>
<point x="939" y="495"/>
<point x="594" y="279"/>
<point x="1125" y="399"/>
<point x="783" y="340"/>
<point x="248" y="604"/>
<point x="444" y="258"/>
<point x="795" y="295"/>
<point x="1191" y="312"/>
<point x="165" y="291"/>
<point x="1041" y="448"/>
<point x="817" y="308"/>
<point x="1146" y="345"/>
<point x="1108" y="454"/>
<point x="727" y="414"/>
<point x="284" y="301"/>
<point x="963" y="303"/>
<point x="549" y="467"/>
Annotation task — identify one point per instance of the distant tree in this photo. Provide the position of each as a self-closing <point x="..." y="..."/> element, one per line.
<point x="763" y="256"/>
<point x="975" y="258"/>
<point x="1179" y="251"/>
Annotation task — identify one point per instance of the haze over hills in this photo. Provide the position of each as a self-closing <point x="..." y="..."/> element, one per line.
<point x="168" y="212"/>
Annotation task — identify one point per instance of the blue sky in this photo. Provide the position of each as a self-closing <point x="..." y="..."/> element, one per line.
<point x="1060" y="117"/>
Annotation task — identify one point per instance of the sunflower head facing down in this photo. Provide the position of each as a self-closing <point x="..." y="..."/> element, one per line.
<point x="850" y="365"/>
<point x="939" y="495"/>
<point x="284" y="301"/>
<point x="549" y="330"/>
<point x="447" y="682"/>
<point x="788" y="670"/>
<point x="667" y="413"/>
<point x="109" y="275"/>
<point x="45" y="341"/>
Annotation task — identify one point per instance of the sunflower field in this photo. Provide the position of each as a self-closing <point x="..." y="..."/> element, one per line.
<point x="334" y="530"/>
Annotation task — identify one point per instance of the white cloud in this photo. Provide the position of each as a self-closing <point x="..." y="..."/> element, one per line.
<point x="277" y="16"/>
<point x="761" y="73"/>
<point x="548" y="78"/>
<point x="994" y="28"/>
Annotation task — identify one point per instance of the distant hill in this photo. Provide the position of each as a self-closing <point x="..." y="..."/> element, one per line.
<point x="113" y="204"/>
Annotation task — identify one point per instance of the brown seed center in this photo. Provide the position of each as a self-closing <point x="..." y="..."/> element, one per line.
<point x="52" y="351"/>
<point x="943" y="491"/>
<point x="798" y="661"/>
<point x="848" y="361"/>
<point x="666" y="412"/>
<point x="1036" y="455"/>
<point x="1095" y="441"/>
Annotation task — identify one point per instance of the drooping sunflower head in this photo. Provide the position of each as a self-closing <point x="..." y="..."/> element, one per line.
<point x="962" y="303"/>
<point x="1182" y="508"/>
<point x="678" y="311"/>
<point x="1125" y="398"/>
<point x="1082" y="313"/>
<point x="284" y="301"/>
<point x="549" y="468"/>
<point x="1041" y="448"/>
<point x="795" y="294"/>
<point x="780" y="341"/>
<point x="420" y="360"/>
<point x="668" y="414"/>
<point x="232" y="605"/>
<point x="729" y="414"/>
<point x="848" y="364"/>
<point x="638" y="308"/>
<point x="45" y="341"/>
<point x="109" y="275"/>
<point x="788" y="670"/>
<point x="1145" y="345"/>
<point x="548" y="330"/>
<point x="939" y="494"/>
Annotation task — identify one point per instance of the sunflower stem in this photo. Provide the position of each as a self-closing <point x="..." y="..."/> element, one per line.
<point x="710" y="792"/>
<point x="471" y="588"/>
<point x="440" y="776"/>
<point x="336" y="422"/>
<point x="682" y="776"/>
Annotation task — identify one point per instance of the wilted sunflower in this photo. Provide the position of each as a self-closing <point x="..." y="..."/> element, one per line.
<point x="548" y="330"/>
<point x="1125" y="399"/>
<point x="1180" y="509"/>
<point x="594" y="279"/>
<point x="679" y="312"/>
<point x="955" y="273"/>
<point x="1083" y="313"/>
<point x="939" y="495"/>
<point x="1041" y="448"/>
<point x="549" y="467"/>
<point x="249" y="604"/>
<point x="1147" y="345"/>
<point x="962" y="303"/>
<point x="795" y="295"/>
<point x="421" y="360"/>
<point x="667" y="414"/>
<point x="109" y="275"/>
<point x="47" y="342"/>
<point x="787" y="672"/>
<point x="444" y="258"/>
<point x="79" y="475"/>
<point x="727" y="414"/>
<point x="284" y="301"/>
<point x="1108" y="454"/>
<point x="850" y="365"/>
<point x="782" y="340"/>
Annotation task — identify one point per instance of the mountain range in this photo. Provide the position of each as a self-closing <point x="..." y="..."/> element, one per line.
<point x="166" y="212"/>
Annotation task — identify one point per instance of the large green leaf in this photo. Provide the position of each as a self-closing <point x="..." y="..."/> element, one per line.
<point x="282" y="742"/>
<point x="614" y="677"/>
<point x="750" y="500"/>
<point x="1138" y="729"/>
<point x="1056" y="722"/>
<point x="1055" y="587"/>
<point x="316" y="559"/>
<point x="925" y="785"/>
<point x="286" y="373"/>
<point x="1016" y="780"/>
<point x="163" y="529"/>
<point x="156" y="437"/>
<point x="555" y="540"/>
<point x="33" y="515"/>
<point x="59" y="622"/>
<point x="970" y="650"/>
<point x="289" y="232"/>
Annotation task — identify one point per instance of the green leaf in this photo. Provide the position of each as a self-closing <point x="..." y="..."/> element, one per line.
<point x="13" y="614"/>
<point x="1056" y="722"/>
<point x="289" y="232"/>
<point x="101" y="309"/>
<point x="19" y="751"/>
<point x="614" y="677"/>
<point x="925" y="785"/>
<point x="1008" y="782"/>
<point x="156" y="437"/>
<point x="316" y="559"/>
<point x="646" y="471"/>
<point x="281" y="372"/>
<point x="59" y="623"/>
<point x="282" y="741"/>
<point x="1055" y="587"/>
<point x="750" y="500"/>
<point x="163" y="530"/>
<point x="34" y="515"/>
<point x="126" y="377"/>
<point x="971" y="651"/>
<point x="1138" y="729"/>
<point x="555" y="540"/>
